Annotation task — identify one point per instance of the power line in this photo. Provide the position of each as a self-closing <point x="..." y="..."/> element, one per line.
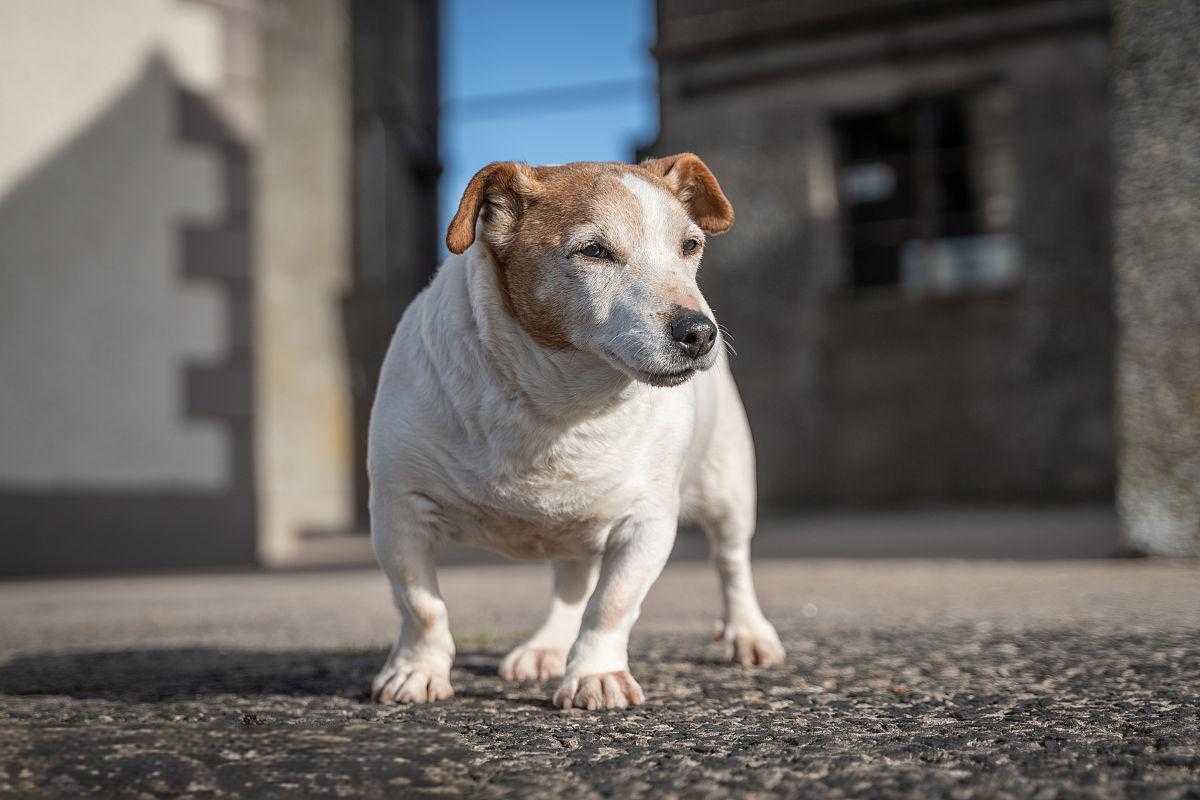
<point x="546" y="100"/>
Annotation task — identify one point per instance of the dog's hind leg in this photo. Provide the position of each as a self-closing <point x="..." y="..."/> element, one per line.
<point x="722" y="499"/>
<point x="418" y="668"/>
<point x="544" y="655"/>
<point x="745" y="633"/>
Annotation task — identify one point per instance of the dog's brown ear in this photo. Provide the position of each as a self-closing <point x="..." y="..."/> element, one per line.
<point x="500" y="192"/>
<point x="697" y="188"/>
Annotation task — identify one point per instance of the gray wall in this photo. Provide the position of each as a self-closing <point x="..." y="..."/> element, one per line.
<point x="305" y="445"/>
<point x="882" y="398"/>
<point x="1158" y="267"/>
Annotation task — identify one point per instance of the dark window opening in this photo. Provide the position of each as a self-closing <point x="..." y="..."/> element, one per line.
<point x="926" y="190"/>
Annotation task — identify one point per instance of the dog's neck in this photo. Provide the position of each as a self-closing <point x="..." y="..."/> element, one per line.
<point x="562" y="386"/>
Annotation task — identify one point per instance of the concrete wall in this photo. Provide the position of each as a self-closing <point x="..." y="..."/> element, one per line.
<point x="1157" y="128"/>
<point x="303" y="403"/>
<point x="175" y="255"/>
<point x="882" y="398"/>
<point x="124" y="270"/>
<point x="95" y="318"/>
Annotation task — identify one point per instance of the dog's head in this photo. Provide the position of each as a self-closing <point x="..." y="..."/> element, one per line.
<point x="602" y="257"/>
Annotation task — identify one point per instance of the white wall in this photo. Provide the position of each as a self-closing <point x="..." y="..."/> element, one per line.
<point x="96" y="324"/>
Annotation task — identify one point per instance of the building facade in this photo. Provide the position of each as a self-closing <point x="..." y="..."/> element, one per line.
<point x="919" y="280"/>
<point x="192" y="203"/>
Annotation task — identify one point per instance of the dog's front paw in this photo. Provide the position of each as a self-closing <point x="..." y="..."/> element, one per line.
<point x="601" y="690"/>
<point x="404" y="681"/>
<point x="751" y="644"/>
<point x="528" y="662"/>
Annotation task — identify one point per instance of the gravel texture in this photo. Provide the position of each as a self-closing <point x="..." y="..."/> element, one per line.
<point x="904" y="679"/>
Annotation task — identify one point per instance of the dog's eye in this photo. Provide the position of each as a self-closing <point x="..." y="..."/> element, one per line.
<point x="690" y="246"/>
<point x="594" y="250"/>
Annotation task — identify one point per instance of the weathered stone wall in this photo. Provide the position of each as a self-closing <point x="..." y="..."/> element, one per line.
<point x="890" y="399"/>
<point x="1157" y="135"/>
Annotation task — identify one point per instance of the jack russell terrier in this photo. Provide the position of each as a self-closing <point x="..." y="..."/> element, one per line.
<point x="560" y="391"/>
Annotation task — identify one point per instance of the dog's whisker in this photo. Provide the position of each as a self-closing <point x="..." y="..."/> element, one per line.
<point x="727" y="339"/>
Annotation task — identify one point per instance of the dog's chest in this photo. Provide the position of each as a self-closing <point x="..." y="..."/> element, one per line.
<point x="557" y="502"/>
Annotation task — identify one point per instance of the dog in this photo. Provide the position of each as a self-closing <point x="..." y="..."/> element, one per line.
<point x="561" y="391"/>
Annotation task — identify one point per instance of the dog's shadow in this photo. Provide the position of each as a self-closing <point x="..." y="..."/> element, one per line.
<point x="177" y="674"/>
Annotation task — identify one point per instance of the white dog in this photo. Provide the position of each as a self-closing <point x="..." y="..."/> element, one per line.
<point x="560" y="391"/>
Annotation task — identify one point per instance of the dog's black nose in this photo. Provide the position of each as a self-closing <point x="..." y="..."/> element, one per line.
<point x="695" y="333"/>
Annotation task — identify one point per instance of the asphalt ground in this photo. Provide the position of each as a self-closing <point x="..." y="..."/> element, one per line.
<point x="905" y="678"/>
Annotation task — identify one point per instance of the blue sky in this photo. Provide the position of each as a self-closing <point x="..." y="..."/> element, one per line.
<point x="501" y="48"/>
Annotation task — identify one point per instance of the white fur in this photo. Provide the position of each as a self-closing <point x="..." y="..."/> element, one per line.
<point x="479" y="435"/>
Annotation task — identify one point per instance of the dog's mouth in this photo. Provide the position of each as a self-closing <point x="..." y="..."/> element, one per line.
<point x="655" y="378"/>
<point x="665" y="378"/>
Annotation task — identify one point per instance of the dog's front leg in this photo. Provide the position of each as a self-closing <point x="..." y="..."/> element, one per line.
<point x="597" y="673"/>
<point x="418" y="669"/>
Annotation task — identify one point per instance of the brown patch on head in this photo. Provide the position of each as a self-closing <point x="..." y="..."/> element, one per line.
<point x="690" y="179"/>
<point x="526" y="213"/>
<point x="498" y="193"/>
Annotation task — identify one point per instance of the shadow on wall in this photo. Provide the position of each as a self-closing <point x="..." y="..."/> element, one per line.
<point x="125" y="403"/>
